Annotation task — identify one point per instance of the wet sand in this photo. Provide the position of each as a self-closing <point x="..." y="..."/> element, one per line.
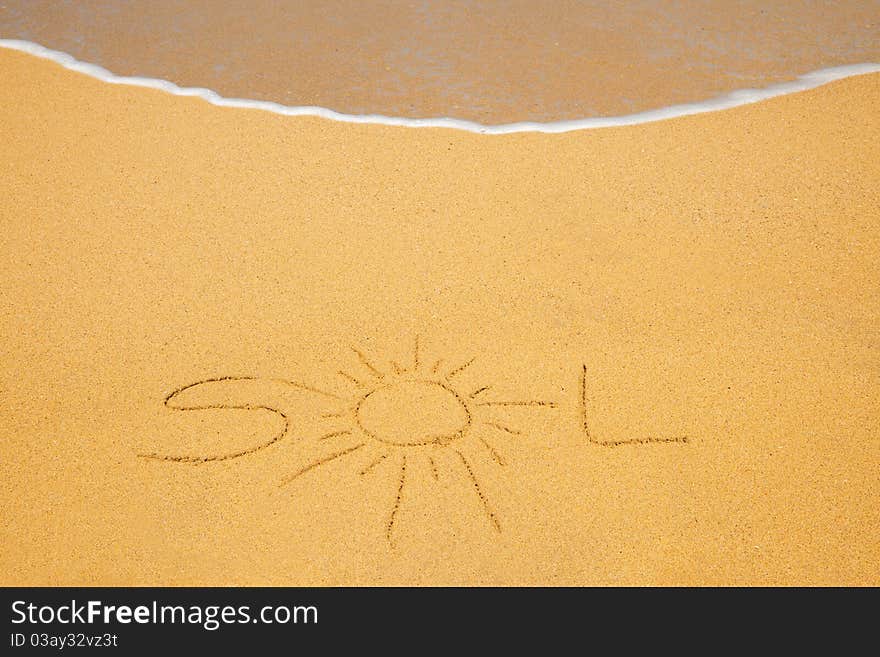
<point x="713" y="277"/>
<point x="487" y="62"/>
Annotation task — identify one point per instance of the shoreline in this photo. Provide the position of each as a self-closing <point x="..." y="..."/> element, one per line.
<point x="726" y="101"/>
<point x="492" y="63"/>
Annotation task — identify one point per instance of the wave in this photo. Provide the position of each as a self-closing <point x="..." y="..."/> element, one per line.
<point x="726" y="101"/>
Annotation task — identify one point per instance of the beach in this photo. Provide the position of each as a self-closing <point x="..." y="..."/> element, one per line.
<point x="666" y="335"/>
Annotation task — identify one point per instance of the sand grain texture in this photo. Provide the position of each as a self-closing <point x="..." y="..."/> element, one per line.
<point x="717" y="275"/>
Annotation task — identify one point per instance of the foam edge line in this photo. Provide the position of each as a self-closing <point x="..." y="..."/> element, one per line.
<point x="733" y="99"/>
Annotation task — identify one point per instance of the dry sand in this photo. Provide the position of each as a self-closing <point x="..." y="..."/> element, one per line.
<point x="489" y="61"/>
<point x="716" y="276"/>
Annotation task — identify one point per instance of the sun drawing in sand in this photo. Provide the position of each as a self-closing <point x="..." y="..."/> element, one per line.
<point x="417" y="415"/>
<point x="413" y="412"/>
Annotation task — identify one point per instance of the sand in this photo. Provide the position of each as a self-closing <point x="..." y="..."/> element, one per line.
<point x="713" y="277"/>
<point x="489" y="62"/>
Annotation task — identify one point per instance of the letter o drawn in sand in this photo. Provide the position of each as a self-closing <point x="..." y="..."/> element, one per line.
<point x="412" y="413"/>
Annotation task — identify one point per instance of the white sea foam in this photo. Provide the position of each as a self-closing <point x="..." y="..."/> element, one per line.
<point x="733" y="99"/>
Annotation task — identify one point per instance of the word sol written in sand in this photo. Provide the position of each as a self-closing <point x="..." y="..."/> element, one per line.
<point x="415" y="416"/>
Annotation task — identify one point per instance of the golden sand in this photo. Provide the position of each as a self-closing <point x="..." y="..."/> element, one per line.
<point x="493" y="61"/>
<point x="714" y="277"/>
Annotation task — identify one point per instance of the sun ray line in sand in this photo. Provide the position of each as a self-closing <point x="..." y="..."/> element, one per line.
<point x="338" y="414"/>
<point x="436" y="367"/>
<point x="416" y="362"/>
<point x="397" y="367"/>
<point x="372" y="465"/>
<point x="320" y="462"/>
<point x="492" y="451"/>
<point x="476" y="484"/>
<point x="357" y="382"/>
<point x="366" y="363"/>
<point x="335" y="434"/>
<point x="433" y="468"/>
<point x="389" y="529"/>
<point x="501" y="427"/>
<point x="518" y="403"/>
<point x="479" y="391"/>
<point x="617" y="443"/>
<point x="461" y="368"/>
